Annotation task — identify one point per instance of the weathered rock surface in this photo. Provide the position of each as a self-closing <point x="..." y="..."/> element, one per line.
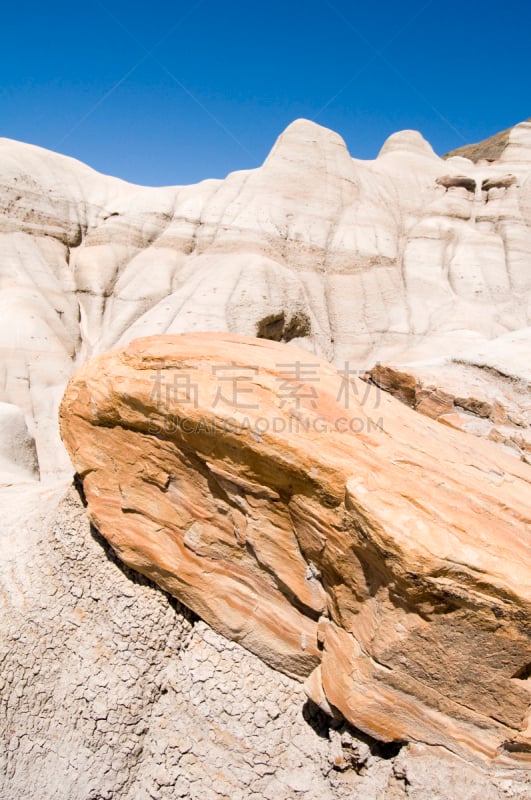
<point x="18" y="457"/>
<point x="108" y="690"/>
<point x="485" y="392"/>
<point x="332" y="531"/>
<point x="405" y="257"/>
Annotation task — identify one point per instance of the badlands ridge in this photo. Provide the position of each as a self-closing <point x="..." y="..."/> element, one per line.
<point x="383" y="562"/>
<point x="408" y="257"/>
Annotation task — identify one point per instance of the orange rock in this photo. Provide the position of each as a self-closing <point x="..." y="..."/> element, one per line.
<point x="474" y="397"/>
<point x="434" y="403"/>
<point x="322" y="524"/>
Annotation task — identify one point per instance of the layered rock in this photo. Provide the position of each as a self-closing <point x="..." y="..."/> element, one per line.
<point x="405" y="257"/>
<point x="335" y="533"/>
<point x="485" y="392"/>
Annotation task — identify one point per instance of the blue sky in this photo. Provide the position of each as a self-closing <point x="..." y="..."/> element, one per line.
<point x="166" y="93"/>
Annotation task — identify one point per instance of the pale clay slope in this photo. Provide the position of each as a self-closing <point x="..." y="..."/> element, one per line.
<point x="403" y="258"/>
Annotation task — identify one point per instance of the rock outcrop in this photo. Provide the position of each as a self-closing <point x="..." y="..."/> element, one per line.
<point x="508" y="145"/>
<point x="343" y="538"/>
<point x="405" y="257"/>
<point x="485" y="392"/>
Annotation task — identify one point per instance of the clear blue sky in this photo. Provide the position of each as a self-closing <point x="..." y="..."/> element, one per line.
<point x="173" y="92"/>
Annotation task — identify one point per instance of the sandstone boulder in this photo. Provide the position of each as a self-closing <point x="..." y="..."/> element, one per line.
<point x="341" y="537"/>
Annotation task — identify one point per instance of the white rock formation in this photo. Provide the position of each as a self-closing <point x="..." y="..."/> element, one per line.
<point x="405" y="257"/>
